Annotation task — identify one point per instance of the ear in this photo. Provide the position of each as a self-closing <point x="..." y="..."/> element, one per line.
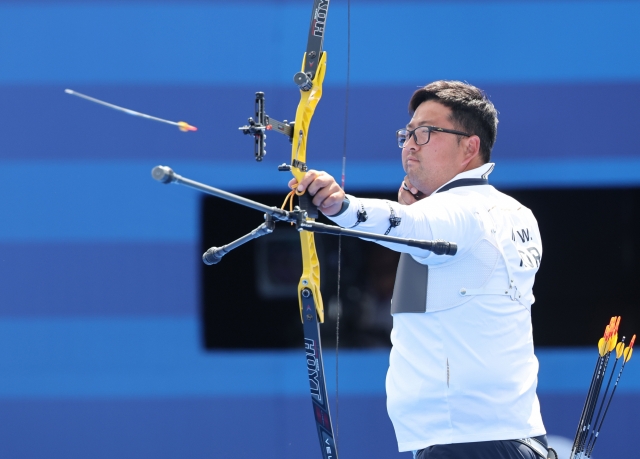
<point x="471" y="152"/>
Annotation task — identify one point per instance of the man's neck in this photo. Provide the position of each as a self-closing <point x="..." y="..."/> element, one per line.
<point x="473" y="164"/>
<point x="466" y="169"/>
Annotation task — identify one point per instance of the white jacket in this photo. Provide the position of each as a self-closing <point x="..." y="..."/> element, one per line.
<point x="462" y="368"/>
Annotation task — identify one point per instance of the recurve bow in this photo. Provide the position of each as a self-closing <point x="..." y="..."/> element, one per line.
<point x="309" y="81"/>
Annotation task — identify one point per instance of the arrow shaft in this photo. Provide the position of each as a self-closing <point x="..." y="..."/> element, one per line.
<point x="595" y="423"/>
<point x="583" y="415"/>
<point x="615" y="386"/>
<point x="117" y="107"/>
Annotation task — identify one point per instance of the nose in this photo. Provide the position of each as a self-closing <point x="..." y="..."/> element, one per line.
<point x="410" y="143"/>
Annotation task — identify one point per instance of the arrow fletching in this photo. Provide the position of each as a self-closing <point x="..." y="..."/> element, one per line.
<point x="184" y="127"/>
<point x="628" y="352"/>
<point x="588" y="428"/>
<point x="602" y="347"/>
<point x="612" y="342"/>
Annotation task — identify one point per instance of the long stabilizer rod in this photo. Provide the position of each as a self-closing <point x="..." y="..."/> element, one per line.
<point x="165" y="174"/>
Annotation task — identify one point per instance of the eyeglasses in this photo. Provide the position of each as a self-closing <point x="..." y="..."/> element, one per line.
<point x="422" y="134"/>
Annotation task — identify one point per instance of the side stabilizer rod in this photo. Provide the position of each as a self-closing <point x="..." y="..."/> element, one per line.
<point x="215" y="254"/>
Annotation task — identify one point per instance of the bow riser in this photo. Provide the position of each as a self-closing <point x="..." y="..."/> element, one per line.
<point x="306" y="108"/>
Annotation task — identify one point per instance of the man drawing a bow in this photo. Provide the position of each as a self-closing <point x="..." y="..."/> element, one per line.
<point x="462" y="376"/>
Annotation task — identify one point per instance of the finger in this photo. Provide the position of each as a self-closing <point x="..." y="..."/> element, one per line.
<point x="406" y="197"/>
<point x="332" y="204"/>
<point x="404" y="189"/>
<point x="323" y="187"/>
<point x="322" y="180"/>
<point x="293" y="183"/>
<point x="327" y="197"/>
<point x="401" y="199"/>
<point x="400" y="193"/>
<point x="417" y="194"/>
<point x="308" y="178"/>
<point x="408" y="186"/>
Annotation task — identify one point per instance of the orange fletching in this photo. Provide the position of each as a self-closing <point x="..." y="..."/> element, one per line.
<point x="184" y="127"/>
<point x="628" y="352"/>
<point x="612" y="342"/>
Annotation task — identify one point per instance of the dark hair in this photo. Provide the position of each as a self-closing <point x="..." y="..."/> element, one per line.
<point x="471" y="110"/>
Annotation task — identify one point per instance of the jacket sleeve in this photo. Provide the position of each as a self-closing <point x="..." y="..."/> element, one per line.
<point x="436" y="217"/>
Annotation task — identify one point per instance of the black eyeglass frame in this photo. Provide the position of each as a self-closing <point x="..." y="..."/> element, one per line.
<point x="411" y="133"/>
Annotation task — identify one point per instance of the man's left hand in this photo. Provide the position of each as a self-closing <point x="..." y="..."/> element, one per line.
<point x="327" y="194"/>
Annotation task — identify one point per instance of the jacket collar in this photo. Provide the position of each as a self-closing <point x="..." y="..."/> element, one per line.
<point x="477" y="176"/>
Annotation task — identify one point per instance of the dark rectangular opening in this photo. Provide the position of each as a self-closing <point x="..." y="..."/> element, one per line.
<point x="589" y="272"/>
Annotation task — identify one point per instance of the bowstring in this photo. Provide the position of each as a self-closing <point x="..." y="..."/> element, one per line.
<point x="344" y="166"/>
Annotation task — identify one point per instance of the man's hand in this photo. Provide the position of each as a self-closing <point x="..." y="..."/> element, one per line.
<point x="327" y="194"/>
<point x="408" y="194"/>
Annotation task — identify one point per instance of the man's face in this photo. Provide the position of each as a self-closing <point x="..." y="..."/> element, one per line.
<point x="432" y="165"/>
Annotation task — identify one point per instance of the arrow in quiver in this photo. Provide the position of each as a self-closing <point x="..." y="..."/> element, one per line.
<point x="592" y="416"/>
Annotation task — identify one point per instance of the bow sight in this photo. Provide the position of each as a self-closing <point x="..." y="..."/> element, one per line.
<point x="262" y="123"/>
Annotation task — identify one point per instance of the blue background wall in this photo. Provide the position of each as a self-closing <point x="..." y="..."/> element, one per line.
<point x="99" y="337"/>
